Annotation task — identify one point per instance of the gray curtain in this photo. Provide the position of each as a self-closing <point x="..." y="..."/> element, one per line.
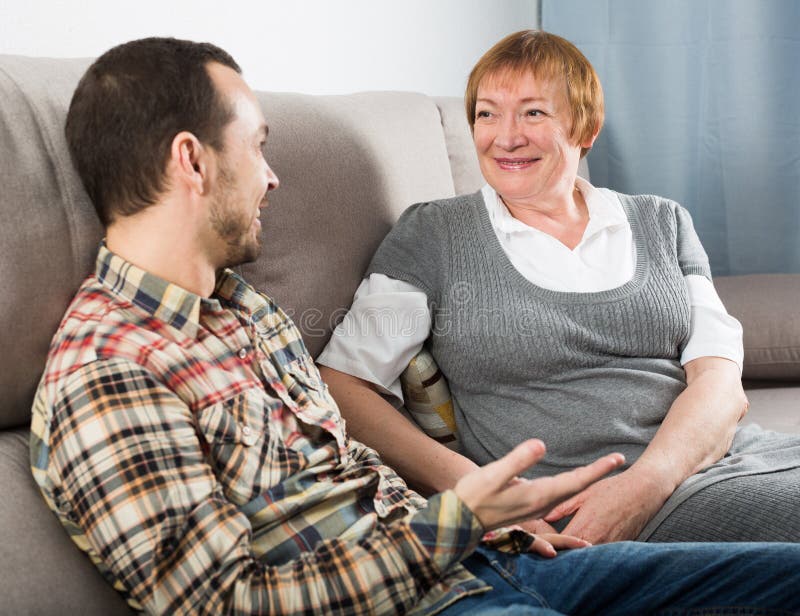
<point x="703" y="107"/>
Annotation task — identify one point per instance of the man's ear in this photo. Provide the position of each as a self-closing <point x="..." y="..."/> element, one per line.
<point x="190" y="162"/>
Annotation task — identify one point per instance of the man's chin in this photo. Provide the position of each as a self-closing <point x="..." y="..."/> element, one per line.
<point x="243" y="254"/>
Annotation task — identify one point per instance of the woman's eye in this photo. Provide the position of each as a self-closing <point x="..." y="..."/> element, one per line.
<point x="534" y="112"/>
<point x="483" y="114"/>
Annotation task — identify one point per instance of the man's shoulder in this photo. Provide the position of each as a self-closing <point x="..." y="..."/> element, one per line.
<point x="98" y="323"/>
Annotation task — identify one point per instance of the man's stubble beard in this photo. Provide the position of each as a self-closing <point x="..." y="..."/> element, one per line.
<point x="231" y="225"/>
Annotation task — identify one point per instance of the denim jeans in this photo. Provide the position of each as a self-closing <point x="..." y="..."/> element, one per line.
<point x="639" y="578"/>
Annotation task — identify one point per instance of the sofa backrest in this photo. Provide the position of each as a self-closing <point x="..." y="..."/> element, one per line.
<point x="348" y="167"/>
<point x="49" y="229"/>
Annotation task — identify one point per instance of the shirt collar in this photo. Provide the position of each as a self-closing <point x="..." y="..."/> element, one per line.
<point x="163" y="300"/>
<point x="232" y="289"/>
<point x="605" y="210"/>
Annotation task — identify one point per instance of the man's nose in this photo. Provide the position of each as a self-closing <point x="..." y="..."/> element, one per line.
<point x="272" y="179"/>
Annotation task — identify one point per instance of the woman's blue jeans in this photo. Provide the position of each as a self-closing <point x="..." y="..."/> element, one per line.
<point x="639" y="578"/>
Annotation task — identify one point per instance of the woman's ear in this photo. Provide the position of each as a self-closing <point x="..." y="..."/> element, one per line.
<point x="589" y="141"/>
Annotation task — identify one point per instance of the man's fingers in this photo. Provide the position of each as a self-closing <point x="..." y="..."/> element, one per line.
<point x="546" y="544"/>
<point x="542" y="547"/>
<point x="517" y="461"/>
<point x="565" y="542"/>
<point x="585" y="476"/>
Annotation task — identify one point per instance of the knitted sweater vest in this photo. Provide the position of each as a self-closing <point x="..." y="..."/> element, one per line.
<point x="588" y="373"/>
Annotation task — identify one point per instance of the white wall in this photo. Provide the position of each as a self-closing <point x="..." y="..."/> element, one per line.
<point x="313" y="46"/>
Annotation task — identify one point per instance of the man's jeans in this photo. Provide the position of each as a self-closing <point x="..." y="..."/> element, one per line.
<point x="639" y="578"/>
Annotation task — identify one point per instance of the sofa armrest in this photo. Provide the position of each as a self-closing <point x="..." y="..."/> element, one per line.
<point x="767" y="307"/>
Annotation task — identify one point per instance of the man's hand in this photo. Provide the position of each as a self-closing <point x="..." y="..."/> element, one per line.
<point x="499" y="497"/>
<point x="614" y="509"/>
<point x="547" y="539"/>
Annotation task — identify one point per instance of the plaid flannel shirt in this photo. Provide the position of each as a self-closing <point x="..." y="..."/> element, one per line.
<point x="189" y="447"/>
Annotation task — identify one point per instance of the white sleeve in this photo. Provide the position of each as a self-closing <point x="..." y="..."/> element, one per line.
<point x="385" y="327"/>
<point x="713" y="331"/>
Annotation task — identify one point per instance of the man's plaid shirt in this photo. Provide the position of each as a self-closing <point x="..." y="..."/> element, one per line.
<point x="189" y="447"/>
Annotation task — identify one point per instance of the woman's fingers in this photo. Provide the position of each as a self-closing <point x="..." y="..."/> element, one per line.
<point x="551" y="491"/>
<point x="566" y="508"/>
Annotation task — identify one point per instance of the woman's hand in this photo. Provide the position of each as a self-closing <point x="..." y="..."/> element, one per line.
<point x="498" y="496"/>
<point x="696" y="432"/>
<point x="613" y="509"/>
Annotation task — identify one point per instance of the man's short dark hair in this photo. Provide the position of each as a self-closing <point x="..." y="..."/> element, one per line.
<point x="126" y="111"/>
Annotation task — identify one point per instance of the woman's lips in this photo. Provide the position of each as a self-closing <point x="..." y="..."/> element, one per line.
<point x="513" y="164"/>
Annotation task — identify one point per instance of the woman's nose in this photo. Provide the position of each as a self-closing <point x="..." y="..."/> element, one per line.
<point x="509" y="134"/>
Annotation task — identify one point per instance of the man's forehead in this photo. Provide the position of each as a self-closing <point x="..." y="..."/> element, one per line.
<point x="234" y="89"/>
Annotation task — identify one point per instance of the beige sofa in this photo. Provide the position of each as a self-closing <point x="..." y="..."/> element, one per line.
<point x="348" y="166"/>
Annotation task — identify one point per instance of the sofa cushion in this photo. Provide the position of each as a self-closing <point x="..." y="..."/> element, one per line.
<point x="36" y="551"/>
<point x="427" y="399"/>
<point x="774" y="408"/>
<point x="50" y="231"/>
<point x="467" y="176"/>
<point x="767" y="307"/>
<point x="348" y="166"/>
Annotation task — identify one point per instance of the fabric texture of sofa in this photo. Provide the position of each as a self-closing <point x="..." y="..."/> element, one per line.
<point x="348" y="167"/>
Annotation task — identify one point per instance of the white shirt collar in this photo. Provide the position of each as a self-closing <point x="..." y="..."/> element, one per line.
<point x="605" y="210"/>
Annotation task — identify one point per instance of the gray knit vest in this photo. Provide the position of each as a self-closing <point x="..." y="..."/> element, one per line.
<point x="588" y="373"/>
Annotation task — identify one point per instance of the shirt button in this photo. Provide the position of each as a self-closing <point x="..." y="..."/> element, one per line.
<point x="249" y="437"/>
<point x="242" y="353"/>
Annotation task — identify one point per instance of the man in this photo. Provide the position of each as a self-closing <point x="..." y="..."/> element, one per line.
<point x="183" y="436"/>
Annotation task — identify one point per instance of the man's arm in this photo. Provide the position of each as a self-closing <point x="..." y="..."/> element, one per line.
<point x="131" y="471"/>
<point x="424" y="463"/>
<point x="696" y="432"/>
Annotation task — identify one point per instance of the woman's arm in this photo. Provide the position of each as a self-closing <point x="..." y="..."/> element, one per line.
<point x="385" y="327"/>
<point x="700" y="424"/>
<point x="696" y="432"/>
<point x="427" y="465"/>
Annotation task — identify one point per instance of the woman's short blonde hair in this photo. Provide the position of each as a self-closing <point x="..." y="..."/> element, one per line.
<point x="548" y="57"/>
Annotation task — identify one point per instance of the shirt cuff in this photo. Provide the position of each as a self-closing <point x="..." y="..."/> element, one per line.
<point x="447" y="529"/>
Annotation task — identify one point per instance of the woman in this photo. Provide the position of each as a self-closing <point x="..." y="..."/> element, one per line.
<point x="574" y="314"/>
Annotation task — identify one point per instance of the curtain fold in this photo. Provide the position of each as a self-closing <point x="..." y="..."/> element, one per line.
<point x="703" y="107"/>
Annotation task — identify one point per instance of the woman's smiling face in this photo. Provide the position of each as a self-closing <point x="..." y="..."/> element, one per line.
<point x="522" y="137"/>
